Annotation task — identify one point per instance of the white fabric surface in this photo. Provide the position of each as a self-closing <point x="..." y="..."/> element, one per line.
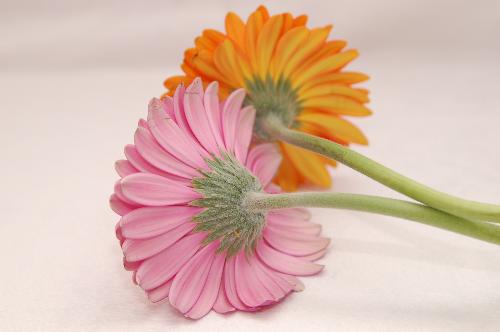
<point x="75" y="77"/>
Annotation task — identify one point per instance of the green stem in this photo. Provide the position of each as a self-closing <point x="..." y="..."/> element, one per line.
<point x="380" y="205"/>
<point x="384" y="175"/>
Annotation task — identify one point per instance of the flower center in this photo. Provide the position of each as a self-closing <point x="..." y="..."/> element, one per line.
<point x="226" y="218"/>
<point x="272" y="98"/>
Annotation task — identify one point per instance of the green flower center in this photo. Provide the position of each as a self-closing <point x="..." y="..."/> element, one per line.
<point x="272" y="98"/>
<point x="226" y="218"/>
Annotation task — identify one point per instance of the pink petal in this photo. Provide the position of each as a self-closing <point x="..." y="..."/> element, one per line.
<point x="230" y="285"/>
<point x="136" y="250"/>
<point x="180" y="117"/>
<point x="285" y="263"/>
<point x="296" y="233"/>
<point x="150" y="150"/>
<point x="124" y="168"/>
<point x="148" y="222"/>
<point x="120" y="207"/>
<point x="222" y="304"/>
<point x="131" y="266"/>
<point x="171" y="137"/>
<point x="142" y="123"/>
<point x="189" y="282"/>
<point x="168" y="106"/>
<point x="118" y="233"/>
<point x="246" y="119"/>
<point x="301" y="213"/>
<point x="297" y="285"/>
<point x="292" y="244"/>
<point x="272" y="280"/>
<point x="119" y="193"/>
<point x="313" y="229"/>
<point x="142" y="165"/>
<point x="273" y="188"/>
<point x="250" y="289"/>
<point x="197" y="116"/>
<point x="264" y="160"/>
<point x="211" y="102"/>
<point x="155" y="190"/>
<point x="284" y="221"/>
<point x="230" y="114"/>
<point x="160" y="292"/>
<point x="210" y="291"/>
<point x="156" y="270"/>
<point x="315" y="256"/>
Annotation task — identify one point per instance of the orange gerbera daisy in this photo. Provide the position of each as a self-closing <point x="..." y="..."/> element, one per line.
<point x="291" y="71"/>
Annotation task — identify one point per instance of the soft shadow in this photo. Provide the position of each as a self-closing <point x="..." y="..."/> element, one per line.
<point x="425" y="251"/>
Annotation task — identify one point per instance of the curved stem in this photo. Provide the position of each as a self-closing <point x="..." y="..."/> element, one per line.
<point x="384" y="175"/>
<point x="380" y="205"/>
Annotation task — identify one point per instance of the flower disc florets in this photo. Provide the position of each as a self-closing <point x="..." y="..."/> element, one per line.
<point x="226" y="218"/>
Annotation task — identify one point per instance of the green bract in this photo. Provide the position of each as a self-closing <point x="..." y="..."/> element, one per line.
<point x="277" y="99"/>
<point x="226" y="218"/>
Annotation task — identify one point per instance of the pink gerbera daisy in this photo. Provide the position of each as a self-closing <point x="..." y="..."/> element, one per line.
<point x="185" y="230"/>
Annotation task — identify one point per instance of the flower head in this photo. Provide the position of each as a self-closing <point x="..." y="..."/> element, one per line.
<point x="185" y="230"/>
<point x="289" y="71"/>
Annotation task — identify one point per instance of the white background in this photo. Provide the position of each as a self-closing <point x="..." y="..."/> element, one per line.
<point x="76" y="75"/>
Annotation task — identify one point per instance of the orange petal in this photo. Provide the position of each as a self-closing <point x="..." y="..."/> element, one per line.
<point x="225" y="61"/>
<point x="333" y="126"/>
<point x="263" y="11"/>
<point x="215" y="36"/>
<point x="171" y="83"/>
<point x="300" y="21"/>
<point x="344" y="78"/>
<point x="364" y="91"/>
<point x="308" y="164"/>
<point x="287" y="23"/>
<point x="205" y="43"/>
<point x="320" y="132"/>
<point x="244" y="66"/>
<point x="224" y="92"/>
<point x="287" y="176"/>
<point x="329" y="48"/>
<point x="316" y="38"/>
<point x="204" y="64"/>
<point x="327" y="64"/>
<point x="189" y="54"/>
<point x="254" y="25"/>
<point x="189" y="70"/>
<point x="235" y="29"/>
<point x="332" y="47"/>
<point x="332" y="89"/>
<point x="337" y="105"/>
<point x="287" y="45"/>
<point x="266" y="43"/>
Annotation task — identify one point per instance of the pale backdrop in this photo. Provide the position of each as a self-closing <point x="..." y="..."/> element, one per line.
<point x="76" y="75"/>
